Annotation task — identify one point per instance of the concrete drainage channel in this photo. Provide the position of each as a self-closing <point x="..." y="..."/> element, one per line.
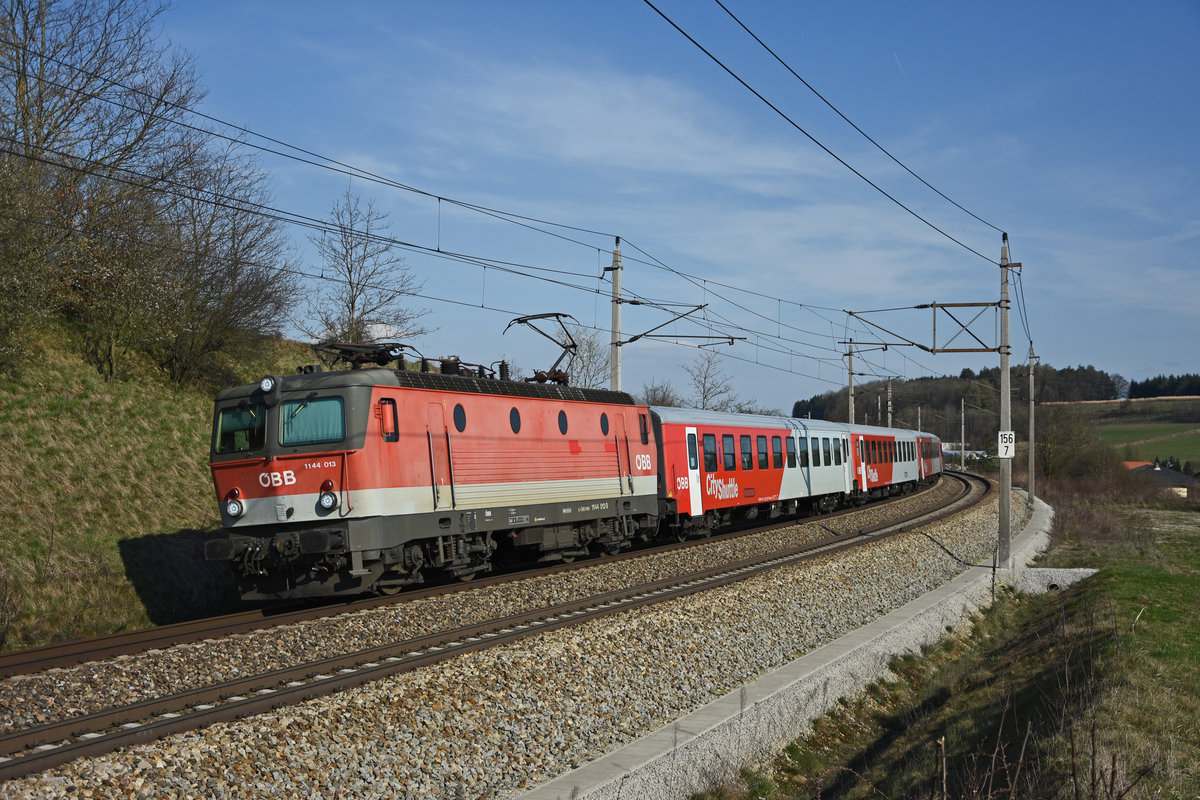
<point x="750" y="725"/>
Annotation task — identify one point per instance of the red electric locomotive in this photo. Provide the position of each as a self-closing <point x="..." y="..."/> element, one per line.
<point x="367" y="479"/>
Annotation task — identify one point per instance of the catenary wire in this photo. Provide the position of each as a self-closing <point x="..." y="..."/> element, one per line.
<point x="848" y="121"/>
<point x="810" y="137"/>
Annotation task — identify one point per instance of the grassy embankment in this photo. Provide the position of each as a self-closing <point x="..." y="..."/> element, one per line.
<point x="110" y="498"/>
<point x="1084" y="694"/>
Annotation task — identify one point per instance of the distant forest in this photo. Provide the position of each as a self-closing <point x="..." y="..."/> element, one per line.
<point x="1166" y="386"/>
<point x="939" y="405"/>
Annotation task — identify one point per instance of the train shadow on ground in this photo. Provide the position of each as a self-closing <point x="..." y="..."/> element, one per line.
<point x="172" y="579"/>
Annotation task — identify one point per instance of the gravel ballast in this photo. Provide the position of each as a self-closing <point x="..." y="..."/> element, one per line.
<point x="495" y="723"/>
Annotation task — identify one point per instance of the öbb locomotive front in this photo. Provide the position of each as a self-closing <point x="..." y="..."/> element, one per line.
<point x="371" y="479"/>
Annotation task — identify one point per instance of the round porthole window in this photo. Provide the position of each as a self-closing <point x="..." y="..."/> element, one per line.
<point x="460" y="418"/>
<point x="604" y="424"/>
<point x="562" y="422"/>
<point x="514" y="420"/>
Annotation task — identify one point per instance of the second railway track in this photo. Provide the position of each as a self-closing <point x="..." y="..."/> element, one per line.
<point x="42" y="746"/>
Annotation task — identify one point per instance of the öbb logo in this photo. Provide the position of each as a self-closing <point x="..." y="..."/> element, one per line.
<point x="269" y="479"/>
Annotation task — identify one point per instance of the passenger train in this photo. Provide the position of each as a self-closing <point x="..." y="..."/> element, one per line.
<point x="369" y="479"/>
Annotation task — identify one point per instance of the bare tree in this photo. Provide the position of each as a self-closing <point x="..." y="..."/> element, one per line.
<point x="713" y="388"/>
<point x="661" y="393"/>
<point x="590" y="367"/>
<point x="116" y="273"/>
<point x="369" y="280"/>
<point x="89" y="102"/>
<point x="230" y="279"/>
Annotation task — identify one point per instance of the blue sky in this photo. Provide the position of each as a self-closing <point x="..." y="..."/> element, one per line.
<point x="1072" y="126"/>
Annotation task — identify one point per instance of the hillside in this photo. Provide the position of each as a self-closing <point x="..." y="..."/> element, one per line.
<point x="112" y="498"/>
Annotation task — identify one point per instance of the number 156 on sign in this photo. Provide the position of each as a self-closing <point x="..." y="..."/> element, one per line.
<point x="1007" y="446"/>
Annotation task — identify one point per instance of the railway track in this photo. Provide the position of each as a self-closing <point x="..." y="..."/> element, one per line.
<point x="65" y="654"/>
<point x="44" y="746"/>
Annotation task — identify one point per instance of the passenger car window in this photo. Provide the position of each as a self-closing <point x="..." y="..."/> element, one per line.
<point x="747" y="453"/>
<point x="791" y="451"/>
<point x="837" y="452"/>
<point x="777" y="452"/>
<point x="816" y="452"/>
<point x="763" y="461"/>
<point x="710" y="452"/>
<point x="692" y="461"/>
<point x="803" y="452"/>
<point x="828" y="455"/>
<point x="727" y="454"/>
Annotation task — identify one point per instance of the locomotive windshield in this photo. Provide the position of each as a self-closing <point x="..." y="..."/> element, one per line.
<point x="311" y="420"/>
<point x="241" y="428"/>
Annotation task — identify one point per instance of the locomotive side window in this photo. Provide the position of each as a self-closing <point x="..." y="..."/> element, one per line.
<point x="693" y="463"/>
<point x="460" y="418"/>
<point x="388" y="424"/>
<point x="747" y="453"/>
<point x="644" y="424"/>
<point x="311" y="420"/>
<point x="241" y="428"/>
<point x="777" y="452"/>
<point x="825" y="450"/>
<point x="837" y="452"/>
<point x="710" y="452"/>
<point x="604" y="424"/>
<point x="763" y="461"/>
<point x="791" y="451"/>
<point x="514" y="420"/>
<point x="729" y="458"/>
<point x="562" y="422"/>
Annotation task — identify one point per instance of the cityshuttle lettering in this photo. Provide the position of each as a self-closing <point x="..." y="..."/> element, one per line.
<point x="722" y="490"/>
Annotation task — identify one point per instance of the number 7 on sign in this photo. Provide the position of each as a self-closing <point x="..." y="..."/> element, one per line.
<point x="1007" y="445"/>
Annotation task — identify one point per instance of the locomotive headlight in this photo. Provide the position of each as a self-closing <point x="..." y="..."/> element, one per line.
<point x="328" y="500"/>
<point x="234" y="508"/>
<point x="267" y="384"/>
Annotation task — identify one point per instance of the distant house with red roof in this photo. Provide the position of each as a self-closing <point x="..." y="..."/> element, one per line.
<point x="1172" y="480"/>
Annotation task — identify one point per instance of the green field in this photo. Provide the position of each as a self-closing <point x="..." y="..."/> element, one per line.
<point x="1161" y="440"/>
